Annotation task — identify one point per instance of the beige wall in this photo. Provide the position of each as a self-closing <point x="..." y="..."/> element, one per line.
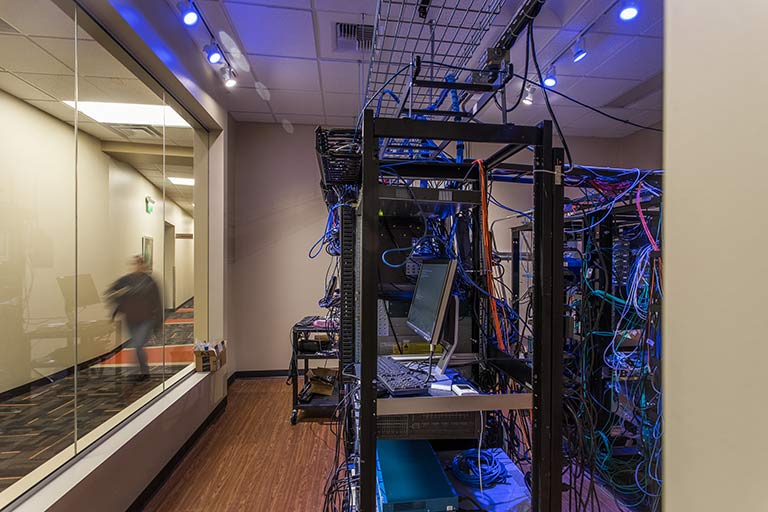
<point x="279" y="213"/>
<point x="37" y="235"/>
<point x="716" y="240"/>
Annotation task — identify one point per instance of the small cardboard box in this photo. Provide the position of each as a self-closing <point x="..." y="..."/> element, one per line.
<point x="212" y="359"/>
<point x="321" y="381"/>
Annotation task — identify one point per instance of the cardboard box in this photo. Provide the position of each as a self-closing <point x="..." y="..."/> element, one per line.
<point x="212" y="359"/>
<point x="322" y="380"/>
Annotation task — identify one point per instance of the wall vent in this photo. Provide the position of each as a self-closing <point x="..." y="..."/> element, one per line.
<point x="6" y="28"/>
<point x="351" y="37"/>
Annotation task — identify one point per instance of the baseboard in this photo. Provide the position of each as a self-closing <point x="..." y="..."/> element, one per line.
<point x="144" y="498"/>
<point x="257" y="374"/>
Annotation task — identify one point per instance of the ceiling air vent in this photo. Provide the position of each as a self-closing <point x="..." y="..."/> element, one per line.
<point x="351" y="37"/>
<point x="137" y="131"/>
<point x="6" y="28"/>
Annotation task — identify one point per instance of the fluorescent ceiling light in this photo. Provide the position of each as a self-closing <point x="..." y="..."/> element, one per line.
<point x="190" y="182"/>
<point x="130" y="113"/>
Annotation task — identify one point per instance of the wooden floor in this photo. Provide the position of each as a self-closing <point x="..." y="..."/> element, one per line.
<point x="252" y="459"/>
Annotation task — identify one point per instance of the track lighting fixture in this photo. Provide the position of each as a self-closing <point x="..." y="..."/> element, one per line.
<point x="528" y="98"/>
<point x="628" y="10"/>
<point x="213" y="53"/>
<point x="579" y="50"/>
<point x="550" y="77"/>
<point x="228" y="75"/>
<point x="189" y="14"/>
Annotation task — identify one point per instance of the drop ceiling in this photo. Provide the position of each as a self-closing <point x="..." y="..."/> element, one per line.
<point x="289" y="68"/>
<point x="37" y="65"/>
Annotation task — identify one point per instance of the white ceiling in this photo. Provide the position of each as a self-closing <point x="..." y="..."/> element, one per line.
<point x="288" y="67"/>
<point x="37" y="63"/>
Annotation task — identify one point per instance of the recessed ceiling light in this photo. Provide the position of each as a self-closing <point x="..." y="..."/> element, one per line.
<point x="189" y="182"/>
<point x="130" y="113"/>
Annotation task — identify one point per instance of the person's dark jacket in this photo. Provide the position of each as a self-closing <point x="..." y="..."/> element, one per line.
<point x="137" y="297"/>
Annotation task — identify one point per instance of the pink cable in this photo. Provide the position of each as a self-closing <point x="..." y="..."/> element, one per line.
<point x="642" y="220"/>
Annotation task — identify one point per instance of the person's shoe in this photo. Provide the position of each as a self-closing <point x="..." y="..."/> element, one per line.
<point x="141" y="377"/>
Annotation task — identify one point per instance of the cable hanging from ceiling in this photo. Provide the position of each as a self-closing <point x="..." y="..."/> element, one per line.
<point x="190" y="16"/>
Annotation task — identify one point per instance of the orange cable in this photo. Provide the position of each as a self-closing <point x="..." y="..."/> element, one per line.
<point x="488" y="258"/>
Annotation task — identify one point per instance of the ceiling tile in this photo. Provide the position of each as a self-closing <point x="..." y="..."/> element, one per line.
<point x="244" y="99"/>
<point x="315" y="120"/>
<point x="340" y="76"/>
<point x="595" y="91"/>
<point x="342" y="104"/>
<point x="639" y="60"/>
<point x="92" y="58"/>
<point x="39" y="18"/>
<point x="286" y="73"/>
<point x="357" y="7"/>
<point x="249" y="117"/>
<point x="59" y="110"/>
<point x="19" y="54"/>
<point x="20" y="89"/>
<point x="296" y="102"/>
<point x="117" y="90"/>
<point x="653" y="101"/>
<point x="341" y="121"/>
<point x="61" y="87"/>
<point x="296" y="4"/>
<point x="179" y="136"/>
<point x="273" y="30"/>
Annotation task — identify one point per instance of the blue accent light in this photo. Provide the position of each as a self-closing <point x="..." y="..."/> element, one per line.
<point x="189" y="14"/>
<point x="212" y="53"/>
<point x="629" y="10"/>
<point x="550" y="78"/>
<point x="579" y="50"/>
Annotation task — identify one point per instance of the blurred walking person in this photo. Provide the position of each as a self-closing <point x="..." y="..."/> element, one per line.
<point x="136" y="296"/>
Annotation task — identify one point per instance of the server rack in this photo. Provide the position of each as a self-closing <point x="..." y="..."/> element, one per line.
<point x="546" y="376"/>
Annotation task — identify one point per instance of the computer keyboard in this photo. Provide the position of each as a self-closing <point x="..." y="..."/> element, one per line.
<point x="399" y="380"/>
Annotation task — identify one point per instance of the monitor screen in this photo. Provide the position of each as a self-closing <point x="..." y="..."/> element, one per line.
<point x="430" y="298"/>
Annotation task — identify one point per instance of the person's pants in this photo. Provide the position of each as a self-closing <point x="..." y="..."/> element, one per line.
<point x="139" y="337"/>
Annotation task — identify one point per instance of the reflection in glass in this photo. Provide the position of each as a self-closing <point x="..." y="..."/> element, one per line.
<point x="96" y="241"/>
<point x="37" y="239"/>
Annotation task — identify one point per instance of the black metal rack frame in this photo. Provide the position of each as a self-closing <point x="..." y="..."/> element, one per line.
<point x="548" y="325"/>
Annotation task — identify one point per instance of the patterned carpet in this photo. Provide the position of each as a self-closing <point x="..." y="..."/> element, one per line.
<point x="37" y="424"/>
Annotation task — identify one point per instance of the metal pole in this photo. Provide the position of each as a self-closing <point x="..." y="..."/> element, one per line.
<point x="368" y="317"/>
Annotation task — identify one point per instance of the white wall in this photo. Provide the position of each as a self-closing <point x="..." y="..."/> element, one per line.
<point x="37" y="197"/>
<point x="716" y="240"/>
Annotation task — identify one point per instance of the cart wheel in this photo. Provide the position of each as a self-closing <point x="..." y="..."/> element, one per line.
<point x="294" y="417"/>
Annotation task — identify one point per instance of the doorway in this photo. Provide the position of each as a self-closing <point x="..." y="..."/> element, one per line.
<point x="169" y="266"/>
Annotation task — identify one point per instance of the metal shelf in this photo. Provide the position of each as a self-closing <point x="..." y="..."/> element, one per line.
<point x="453" y="403"/>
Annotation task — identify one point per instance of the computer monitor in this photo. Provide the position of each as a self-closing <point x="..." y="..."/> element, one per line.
<point x="430" y="299"/>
